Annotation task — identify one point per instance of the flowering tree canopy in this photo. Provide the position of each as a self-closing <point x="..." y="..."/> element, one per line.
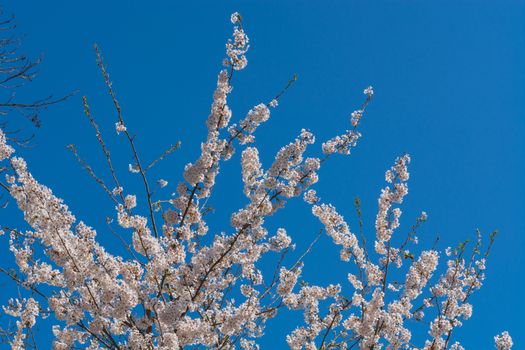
<point x="176" y="290"/>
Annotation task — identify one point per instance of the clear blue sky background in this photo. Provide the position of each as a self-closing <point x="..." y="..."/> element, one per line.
<point x="449" y="81"/>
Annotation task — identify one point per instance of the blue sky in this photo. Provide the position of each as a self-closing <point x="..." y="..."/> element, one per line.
<point x="450" y="90"/>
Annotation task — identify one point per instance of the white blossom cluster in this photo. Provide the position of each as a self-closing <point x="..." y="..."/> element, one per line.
<point x="237" y="47"/>
<point x="503" y="341"/>
<point x="26" y="310"/>
<point x="255" y="117"/>
<point x="387" y="219"/>
<point x="187" y="288"/>
<point x="119" y="127"/>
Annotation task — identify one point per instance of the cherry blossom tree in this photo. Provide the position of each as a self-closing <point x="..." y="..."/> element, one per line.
<point x="176" y="290"/>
